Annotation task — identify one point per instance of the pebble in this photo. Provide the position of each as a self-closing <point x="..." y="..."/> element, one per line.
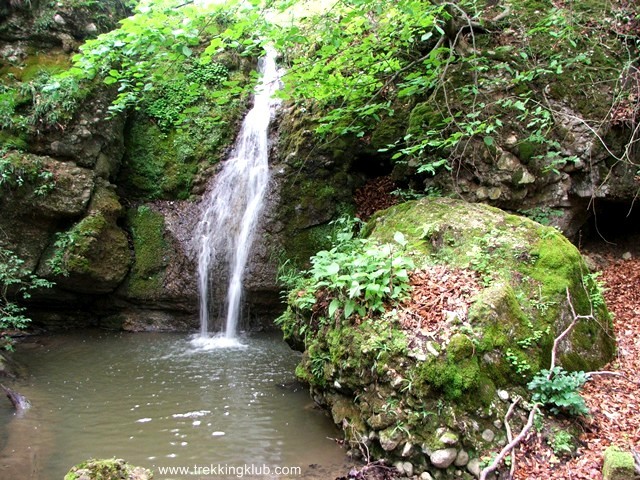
<point x="426" y="476"/>
<point x="443" y="458"/>
<point x="627" y="256"/>
<point x="461" y="459"/>
<point x="488" y="435"/>
<point x="474" y="467"/>
<point x="503" y="395"/>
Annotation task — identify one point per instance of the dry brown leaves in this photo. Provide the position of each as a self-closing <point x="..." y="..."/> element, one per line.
<point x="373" y="196"/>
<point x="439" y="294"/>
<point x="613" y="400"/>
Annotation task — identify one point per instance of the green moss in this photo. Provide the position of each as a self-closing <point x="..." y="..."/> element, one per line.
<point x="106" y="469"/>
<point x="618" y="465"/>
<point x="152" y="168"/>
<point x="452" y="378"/>
<point x="151" y="250"/>
<point x="423" y="117"/>
<point x="460" y="347"/>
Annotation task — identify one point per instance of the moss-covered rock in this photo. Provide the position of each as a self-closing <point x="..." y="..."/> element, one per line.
<point x="107" y="469"/>
<point x="408" y="384"/>
<point x="151" y="253"/>
<point x="93" y="255"/>
<point x="618" y="465"/>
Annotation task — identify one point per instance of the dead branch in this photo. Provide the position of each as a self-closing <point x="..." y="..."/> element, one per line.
<point x="507" y="427"/>
<point x="511" y="445"/>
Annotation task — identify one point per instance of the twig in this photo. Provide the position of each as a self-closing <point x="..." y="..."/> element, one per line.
<point x="559" y="338"/>
<point x="511" y="445"/>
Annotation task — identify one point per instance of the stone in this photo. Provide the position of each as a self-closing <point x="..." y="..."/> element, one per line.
<point x="503" y="395"/>
<point x="449" y="439"/>
<point x="425" y="476"/>
<point x="488" y="435"/>
<point x="443" y="458"/>
<point x="627" y="256"/>
<point x="59" y="20"/>
<point x="473" y="467"/>
<point x="110" y="469"/>
<point x="389" y="439"/>
<point x="408" y="448"/>
<point x="408" y="469"/>
<point x="399" y="466"/>
<point x="618" y="465"/>
<point x="462" y="458"/>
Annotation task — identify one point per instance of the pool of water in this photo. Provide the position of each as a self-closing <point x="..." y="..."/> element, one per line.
<point x="159" y="400"/>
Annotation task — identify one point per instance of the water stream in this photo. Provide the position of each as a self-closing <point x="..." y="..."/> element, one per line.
<point x="232" y="206"/>
<point x="157" y="401"/>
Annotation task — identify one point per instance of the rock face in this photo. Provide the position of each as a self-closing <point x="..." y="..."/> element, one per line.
<point x="431" y="389"/>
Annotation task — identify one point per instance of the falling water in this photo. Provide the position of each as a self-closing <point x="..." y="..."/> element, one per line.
<point x="232" y="206"/>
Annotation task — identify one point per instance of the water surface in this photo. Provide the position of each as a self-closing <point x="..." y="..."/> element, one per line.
<point x="157" y="401"/>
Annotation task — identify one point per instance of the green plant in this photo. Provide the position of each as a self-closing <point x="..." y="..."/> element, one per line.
<point x="595" y="288"/>
<point x="16" y="283"/>
<point x="361" y="276"/>
<point x="521" y="365"/>
<point x="542" y="215"/>
<point x="562" y="442"/>
<point x="559" y="390"/>
<point x="17" y="171"/>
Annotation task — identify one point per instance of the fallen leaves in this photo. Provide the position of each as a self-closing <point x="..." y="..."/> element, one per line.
<point x="612" y="399"/>
<point x="440" y="296"/>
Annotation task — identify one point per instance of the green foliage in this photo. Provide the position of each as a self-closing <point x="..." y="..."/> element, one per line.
<point x="595" y="287"/>
<point x="542" y="215"/>
<point x="72" y="246"/>
<point x="562" y="443"/>
<point x="560" y="392"/>
<point x="17" y="171"/>
<point x="359" y="277"/>
<point x="359" y="63"/>
<point x="16" y="283"/>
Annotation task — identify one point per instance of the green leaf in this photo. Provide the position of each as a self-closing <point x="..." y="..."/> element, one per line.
<point x="349" y="307"/>
<point x="399" y="239"/>
<point x="333" y="306"/>
<point x="488" y="141"/>
<point x="332" y="269"/>
<point x="110" y="80"/>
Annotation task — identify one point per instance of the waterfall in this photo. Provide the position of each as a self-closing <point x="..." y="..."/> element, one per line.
<point x="231" y="208"/>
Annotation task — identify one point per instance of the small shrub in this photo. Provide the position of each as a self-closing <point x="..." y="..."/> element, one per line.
<point x="560" y="392"/>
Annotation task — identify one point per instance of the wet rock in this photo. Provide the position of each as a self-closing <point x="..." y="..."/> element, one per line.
<point x="113" y="469"/>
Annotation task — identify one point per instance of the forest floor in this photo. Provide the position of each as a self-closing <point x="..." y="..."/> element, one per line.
<point x="613" y="400"/>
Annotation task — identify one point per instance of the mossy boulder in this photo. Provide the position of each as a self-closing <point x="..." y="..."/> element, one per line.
<point x="618" y="465"/>
<point x="420" y="387"/>
<point x="93" y="255"/>
<point x="107" y="469"/>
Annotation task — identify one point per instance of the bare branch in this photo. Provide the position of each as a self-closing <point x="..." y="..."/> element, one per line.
<point x="511" y="445"/>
